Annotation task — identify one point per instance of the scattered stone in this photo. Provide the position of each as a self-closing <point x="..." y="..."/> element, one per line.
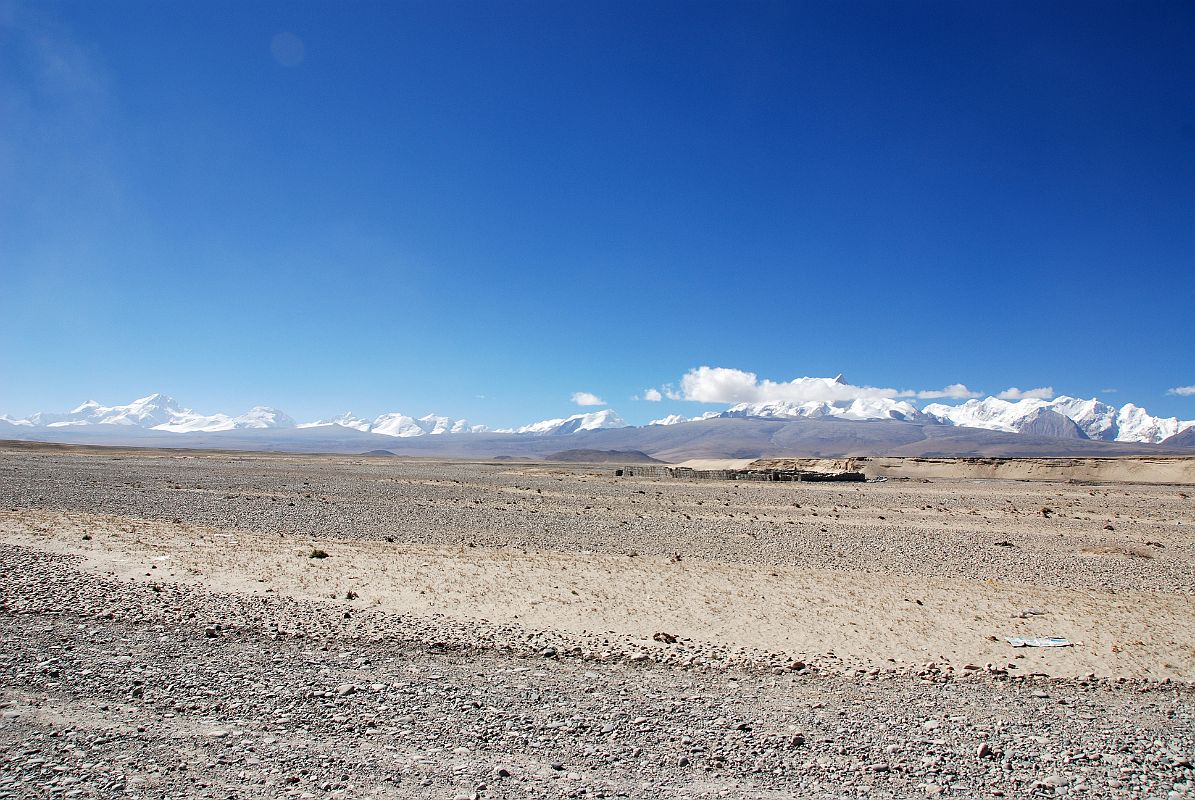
<point x="113" y="687"/>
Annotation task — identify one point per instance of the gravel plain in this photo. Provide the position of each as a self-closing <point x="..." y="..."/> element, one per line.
<point x="125" y="675"/>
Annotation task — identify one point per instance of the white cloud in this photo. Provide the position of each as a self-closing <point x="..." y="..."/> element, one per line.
<point x="653" y="395"/>
<point x="1182" y="391"/>
<point x="955" y="391"/>
<point x="1109" y="391"/>
<point x="1040" y="393"/>
<point x="587" y="399"/>
<point x="722" y="385"/>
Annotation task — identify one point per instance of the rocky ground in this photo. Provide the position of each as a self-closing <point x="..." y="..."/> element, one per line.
<point x="128" y="673"/>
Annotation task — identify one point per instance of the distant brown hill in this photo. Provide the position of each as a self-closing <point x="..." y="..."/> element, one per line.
<point x="1182" y="439"/>
<point x="603" y="457"/>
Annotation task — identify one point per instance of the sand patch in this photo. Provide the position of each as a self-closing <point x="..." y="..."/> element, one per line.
<point x="874" y="618"/>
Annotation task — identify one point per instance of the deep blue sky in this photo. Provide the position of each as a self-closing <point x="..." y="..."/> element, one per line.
<point x="448" y="200"/>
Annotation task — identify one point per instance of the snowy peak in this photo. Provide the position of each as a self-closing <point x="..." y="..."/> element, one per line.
<point x="399" y="425"/>
<point x="263" y="417"/>
<point x="1134" y="424"/>
<point x="1094" y="418"/>
<point x="346" y="420"/>
<point x="859" y="409"/>
<point x="396" y="424"/>
<point x="990" y="413"/>
<point x="436" y="425"/>
<point x="1065" y="417"/>
<point x="163" y="413"/>
<point x="159" y="412"/>
<point x="145" y="412"/>
<point x="593" y="421"/>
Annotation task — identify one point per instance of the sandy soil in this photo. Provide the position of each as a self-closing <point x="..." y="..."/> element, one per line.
<point x="876" y="617"/>
<point x="534" y="630"/>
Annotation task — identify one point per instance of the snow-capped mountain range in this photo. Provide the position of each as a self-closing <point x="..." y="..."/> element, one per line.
<point x="400" y="425"/>
<point x="161" y="412"/>
<point x="1093" y="418"/>
<point x="862" y="408"/>
<point x="156" y="412"/>
<point x="593" y="421"/>
<point x="1065" y="417"/>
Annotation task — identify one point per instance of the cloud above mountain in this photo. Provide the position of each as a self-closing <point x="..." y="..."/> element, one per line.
<point x="1182" y="391"/>
<point x="587" y="399"/>
<point x="723" y="385"/>
<point x="955" y="391"/>
<point x="1040" y="393"/>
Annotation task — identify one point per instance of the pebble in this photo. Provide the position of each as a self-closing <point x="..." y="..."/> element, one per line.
<point x="451" y="704"/>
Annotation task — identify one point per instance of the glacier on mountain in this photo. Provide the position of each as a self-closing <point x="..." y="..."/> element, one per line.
<point x="1097" y="420"/>
<point x="185" y="421"/>
<point x="158" y="412"/>
<point x="858" y="409"/>
<point x="399" y="425"/>
<point x="345" y="420"/>
<point x="593" y="421"/>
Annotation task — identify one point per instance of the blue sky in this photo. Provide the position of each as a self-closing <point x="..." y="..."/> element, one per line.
<point x="479" y="209"/>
